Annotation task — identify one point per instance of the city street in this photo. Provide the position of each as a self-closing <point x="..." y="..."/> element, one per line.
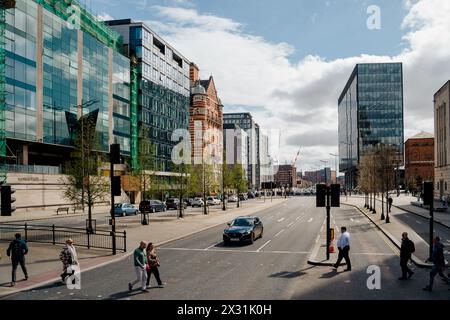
<point x="200" y="267"/>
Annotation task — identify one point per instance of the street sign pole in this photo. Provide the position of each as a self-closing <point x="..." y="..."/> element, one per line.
<point x="431" y="226"/>
<point x="328" y="194"/>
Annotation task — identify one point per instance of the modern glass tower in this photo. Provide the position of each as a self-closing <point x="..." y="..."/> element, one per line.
<point x="370" y="113"/>
<point x="163" y="89"/>
<point x="61" y="63"/>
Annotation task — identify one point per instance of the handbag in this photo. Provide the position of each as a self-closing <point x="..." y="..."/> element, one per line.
<point x="147" y="267"/>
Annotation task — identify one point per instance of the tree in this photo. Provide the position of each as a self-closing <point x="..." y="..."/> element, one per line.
<point x="238" y="179"/>
<point x="83" y="182"/>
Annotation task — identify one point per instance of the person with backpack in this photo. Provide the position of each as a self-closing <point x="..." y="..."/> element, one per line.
<point x="17" y="250"/>
<point x="406" y="250"/>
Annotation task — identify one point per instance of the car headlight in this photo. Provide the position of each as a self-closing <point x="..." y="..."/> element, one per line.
<point x="247" y="232"/>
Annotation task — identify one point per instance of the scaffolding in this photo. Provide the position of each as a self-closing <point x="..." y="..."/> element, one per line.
<point x="134" y="113"/>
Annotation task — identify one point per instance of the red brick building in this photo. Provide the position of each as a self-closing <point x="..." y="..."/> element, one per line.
<point x="419" y="159"/>
<point x="286" y="176"/>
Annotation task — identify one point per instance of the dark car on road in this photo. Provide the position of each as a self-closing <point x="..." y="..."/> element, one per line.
<point x="174" y="203"/>
<point x="152" y="206"/>
<point x="243" y="229"/>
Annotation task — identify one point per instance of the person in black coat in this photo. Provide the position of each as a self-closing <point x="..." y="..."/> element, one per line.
<point x="406" y="251"/>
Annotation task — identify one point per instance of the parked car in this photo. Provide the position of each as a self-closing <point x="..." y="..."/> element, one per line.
<point x="197" y="202"/>
<point x="251" y="195"/>
<point x="243" y="196"/>
<point x="243" y="229"/>
<point x="188" y="201"/>
<point x="174" y="203"/>
<point x="232" y="198"/>
<point x="212" y="201"/>
<point x="125" y="209"/>
<point x="152" y="206"/>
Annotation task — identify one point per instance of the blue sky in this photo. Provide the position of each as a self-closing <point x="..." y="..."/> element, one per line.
<point x="328" y="28"/>
<point x="287" y="61"/>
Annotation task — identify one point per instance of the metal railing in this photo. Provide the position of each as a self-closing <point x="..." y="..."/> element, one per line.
<point x="100" y="239"/>
<point x="32" y="169"/>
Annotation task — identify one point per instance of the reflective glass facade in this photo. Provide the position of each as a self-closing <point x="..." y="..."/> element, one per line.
<point x="370" y="112"/>
<point x="52" y="70"/>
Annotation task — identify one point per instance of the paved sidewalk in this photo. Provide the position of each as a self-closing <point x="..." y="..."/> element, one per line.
<point x="394" y="229"/>
<point x="44" y="268"/>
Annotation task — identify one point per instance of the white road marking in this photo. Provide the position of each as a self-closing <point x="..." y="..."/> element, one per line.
<point x="281" y="220"/>
<point x="290" y="224"/>
<point x="270" y="217"/>
<point x="448" y="241"/>
<point x="279" y="233"/>
<point x="215" y="244"/>
<point x="296" y="219"/>
<point x="236" y="251"/>
<point x="310" y="219"/>
<point x="58" y="292"/>
<point x="372" y="254"/>
<point x="265" y="244"/>
<point x="418" y="222"/>
<point x="351" y="219"/>
<point x="321" y="229"/>
<point x="99" y="296"/>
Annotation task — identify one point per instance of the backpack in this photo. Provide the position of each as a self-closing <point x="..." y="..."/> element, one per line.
<point x="412" y="246"/>
<point x="17" y="250"/>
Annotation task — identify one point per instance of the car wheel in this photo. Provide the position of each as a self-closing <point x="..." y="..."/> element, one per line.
<point x="153" y="210"/>
<point x="261" y="235"/>
<point x="252" y="238"/>
<point x="226" y="242"/>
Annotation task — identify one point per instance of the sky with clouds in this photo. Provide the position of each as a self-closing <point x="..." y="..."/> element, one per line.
<point x="287" y="61"/>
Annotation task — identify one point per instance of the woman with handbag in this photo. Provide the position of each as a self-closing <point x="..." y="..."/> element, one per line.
<point x="153" y="265"/>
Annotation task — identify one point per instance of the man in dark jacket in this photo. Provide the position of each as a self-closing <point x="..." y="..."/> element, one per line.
<point x="390" y="200"/>
<point x="406" y="250"/>
<point x="438" y="263"/>
<point x="17" y="250"/>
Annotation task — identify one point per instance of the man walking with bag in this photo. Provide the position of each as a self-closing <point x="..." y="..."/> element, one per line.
<point x="140" y="267"/>
<point x="438" y="260"/>
<point x="343" y="245"/>
<point x="69" y="259"/>
<point x="406" y="250"/>
<point x="17" y="250"/>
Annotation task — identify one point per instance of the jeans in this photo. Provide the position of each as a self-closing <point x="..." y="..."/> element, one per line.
<point x="155" y="271"/>
<point x="141" y="276"/>
<point x="15" y="263"/>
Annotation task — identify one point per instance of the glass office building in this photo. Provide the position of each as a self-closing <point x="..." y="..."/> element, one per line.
<point x="56" y="72"/>
<point x="370" y="113"/>
<point x="164" y="89"/>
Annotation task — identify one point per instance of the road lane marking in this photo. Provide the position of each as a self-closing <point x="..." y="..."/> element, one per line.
<point x="281" y="220"/>
<point x="321" y="228"/>
<point x="310" y="219"/>
<point x="279" y="233"/>
<point x="351" y="219"/>
<point x="418" y="222"/>
<point x="265" y="244"/>
<point x="236" y="251"/>
<point x="215" y="244"/>
<point x="296" y="219"/>
<point x="372" y="254"/>
<point x="290" y="224"/>
<point x="448" y="241"/>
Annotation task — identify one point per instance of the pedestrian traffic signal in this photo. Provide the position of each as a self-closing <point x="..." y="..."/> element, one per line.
<point x="335" y="195"/>
<point x="115" y="153"/>
<point x="428" y="193"/>
<point x="116" y="186"/>
<point x="321" y="193"/>
<point x="7" y="199"/>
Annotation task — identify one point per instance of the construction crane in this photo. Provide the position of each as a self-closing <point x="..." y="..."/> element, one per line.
<point x="296" y="158"/>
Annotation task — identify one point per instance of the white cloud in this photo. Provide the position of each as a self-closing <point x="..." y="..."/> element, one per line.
<point x="301" y="98"/>
<point x="104" y="16"/>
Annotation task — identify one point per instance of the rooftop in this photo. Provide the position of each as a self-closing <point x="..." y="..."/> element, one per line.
<point x="422" y="135"/>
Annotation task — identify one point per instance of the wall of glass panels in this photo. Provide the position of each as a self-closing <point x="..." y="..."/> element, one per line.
<point x="20" y="44"/>
<point x="60" y="73"/>
<point x="380" y="106"/>
<point x="121" y="102"/>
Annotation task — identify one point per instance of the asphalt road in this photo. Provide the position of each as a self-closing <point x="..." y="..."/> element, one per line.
<point x="200" y="267"/>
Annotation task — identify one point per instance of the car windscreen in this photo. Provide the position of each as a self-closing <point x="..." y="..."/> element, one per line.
<point x="242" y="223"/>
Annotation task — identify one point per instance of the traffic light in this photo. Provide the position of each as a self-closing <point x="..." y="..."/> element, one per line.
<point x="115" y="153"/>
<point x="428" y="193"/>
<point x="335" y="195"/>
<point x="116" y="186"/>
<point x="7" y="199"/>
<point x="321" y="192"/>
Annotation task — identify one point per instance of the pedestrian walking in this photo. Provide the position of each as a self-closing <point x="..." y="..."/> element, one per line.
<point x="390" y="201"/>
<point x="343" y="245"/>
<point x="406" y="250"/>
<point x="140" y="267"/>
<point x="153" y="263"/>
<point x="17" y="250"/>
<point x="69" y="259"/>
<point x="438" y="260"/>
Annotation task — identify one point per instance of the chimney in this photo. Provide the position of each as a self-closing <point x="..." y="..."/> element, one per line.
<point x="194" y="72"/>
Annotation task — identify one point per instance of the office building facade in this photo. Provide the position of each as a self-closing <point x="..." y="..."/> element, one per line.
<point x="246" y="122"/>
<point x="235" y="144"/>
<point x="163" y="89"/>
<point x="442" y="141"/>
<point x="57" y="72"/>
<point x="370" y="113"/>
